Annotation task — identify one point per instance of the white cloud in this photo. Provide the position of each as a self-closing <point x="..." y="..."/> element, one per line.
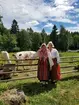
<point x="29" y="24"/>
<point x="64" y="7"/>
<point x="49" y="25"/>
<point x="30" y="13"/>
<point x="71" y="2"/>
<point x="36" y="29"/>
<point x="64" y="2"/>
<point x="32" y="23"/>
<point x="73" y="29"/>
<point x="77" y="10"/>
<point x="64" y="20"/>
<point x="61" y="2"/>
<point x="32" y="9"/>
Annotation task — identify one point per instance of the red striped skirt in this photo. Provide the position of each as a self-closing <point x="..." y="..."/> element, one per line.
<point x="43" y="70"/>
<point x="55" y="72"/>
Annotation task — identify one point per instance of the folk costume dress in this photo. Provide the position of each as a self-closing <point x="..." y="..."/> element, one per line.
<point x="55" y="72"/>
<point x="45" y="63"/>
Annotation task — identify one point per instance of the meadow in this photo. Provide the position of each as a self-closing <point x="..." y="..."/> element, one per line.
<point x="65" y="92"/>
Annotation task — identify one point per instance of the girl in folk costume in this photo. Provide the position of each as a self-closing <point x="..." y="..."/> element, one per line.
<point x="55" y="72"/>
<point x="45" y="63"/>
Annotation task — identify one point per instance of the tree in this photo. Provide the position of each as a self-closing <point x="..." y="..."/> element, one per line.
<point x="47" y="39"/>
<point x="75" y="37"/>
<point x="64" y="39"/>
<point x="43" y="35"/>
<point x="54" y="36"/>
<point x="31" y="32"/>
<point x="14" y="27"/>
<point x="2" y="29"/>
<point x="36" y="42"/>
<point x="23" y="39"/>
<point x="8" y="42"/>
<point x="76" y="41"/>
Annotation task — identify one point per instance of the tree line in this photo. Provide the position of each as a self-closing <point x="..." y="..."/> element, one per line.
<point x="14" y="39"/>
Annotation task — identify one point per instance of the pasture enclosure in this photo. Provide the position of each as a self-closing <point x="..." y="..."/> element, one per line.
<point x="25" y="69"/>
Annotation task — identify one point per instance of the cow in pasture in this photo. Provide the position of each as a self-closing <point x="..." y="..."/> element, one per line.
<point x="6" y="67"/>
<point x="5" y="56"/>
<point x="23" y="55"/>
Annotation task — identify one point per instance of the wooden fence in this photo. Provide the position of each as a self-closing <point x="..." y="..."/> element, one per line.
<point x="71" y="63"/>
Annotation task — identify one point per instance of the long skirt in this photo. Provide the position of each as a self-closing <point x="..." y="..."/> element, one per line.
<point x="55" y="72"/>
<point x="43" y="70"/>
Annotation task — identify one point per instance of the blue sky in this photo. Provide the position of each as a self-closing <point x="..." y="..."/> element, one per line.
<point x="39" y="14"/>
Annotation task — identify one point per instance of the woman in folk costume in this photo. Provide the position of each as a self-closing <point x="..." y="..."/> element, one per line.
<point x="55" y="72"/>
<point x="45" y="63"/>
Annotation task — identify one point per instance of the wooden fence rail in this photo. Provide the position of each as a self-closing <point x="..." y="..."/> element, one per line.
<point x="75" y="67"/>
<point x="8" y="80"/>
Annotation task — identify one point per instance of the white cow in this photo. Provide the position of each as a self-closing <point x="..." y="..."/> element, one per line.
<point x="6" y="57"/>
<point x="24" y="55"/>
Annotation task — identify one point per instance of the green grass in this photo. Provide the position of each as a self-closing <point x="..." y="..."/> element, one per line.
<point x="69" y="54"/>
<point x="66" y="92"/>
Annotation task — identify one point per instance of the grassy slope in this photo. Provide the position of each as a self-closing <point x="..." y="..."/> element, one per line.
<point x="65" y="93"/>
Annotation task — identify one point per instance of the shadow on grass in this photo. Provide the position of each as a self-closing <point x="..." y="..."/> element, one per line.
<point x="70" y="78"/>
<point x="31" y="89"/>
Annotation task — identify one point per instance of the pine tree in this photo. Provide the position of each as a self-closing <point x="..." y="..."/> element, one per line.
<point x="14" y="27"/>
<point x="53" y="35"/>
<point x="43" y="35"/>
<point x="64" y="39"/>
<point x="1" y="26"/>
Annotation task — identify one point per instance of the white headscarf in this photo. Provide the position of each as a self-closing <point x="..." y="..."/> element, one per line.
<point x="50" y="43"/>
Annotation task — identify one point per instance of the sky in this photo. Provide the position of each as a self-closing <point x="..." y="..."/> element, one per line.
<point x="39" y="14"/>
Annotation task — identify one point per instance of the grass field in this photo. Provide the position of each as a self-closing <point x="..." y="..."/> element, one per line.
<point x="66" y="91"/>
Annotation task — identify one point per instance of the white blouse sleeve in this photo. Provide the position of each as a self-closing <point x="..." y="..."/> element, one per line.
<point x="55" y="54"/>
<point x="50" y="60"/>
<point x="58" y="58"/>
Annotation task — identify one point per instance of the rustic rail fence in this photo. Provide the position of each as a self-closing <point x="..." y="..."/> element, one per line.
<point x="65" y="63"/>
